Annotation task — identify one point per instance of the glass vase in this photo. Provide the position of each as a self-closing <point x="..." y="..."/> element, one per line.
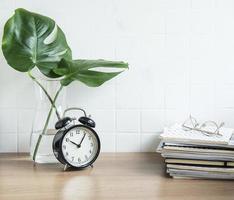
<point x="45" y="116"/>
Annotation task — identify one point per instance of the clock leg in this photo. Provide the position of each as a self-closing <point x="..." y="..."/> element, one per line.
<point x="65" y="167"/>
<point x="91" y="165"/>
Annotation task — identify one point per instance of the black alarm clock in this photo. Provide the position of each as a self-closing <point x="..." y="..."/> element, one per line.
<point x="75" y="144"/>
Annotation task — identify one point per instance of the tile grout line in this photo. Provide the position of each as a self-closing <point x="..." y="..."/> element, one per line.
<point x="164" y="84"/>
<point x="17" y="135"/>
<point x="140" y="128"/>
<point x="115" y="96"/>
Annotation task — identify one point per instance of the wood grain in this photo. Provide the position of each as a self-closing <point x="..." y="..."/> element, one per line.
<point x="114" y="176"/>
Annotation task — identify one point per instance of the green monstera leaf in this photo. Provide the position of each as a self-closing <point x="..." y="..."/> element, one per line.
<point x="31" y="40"/>
<point x="86" y="71"/>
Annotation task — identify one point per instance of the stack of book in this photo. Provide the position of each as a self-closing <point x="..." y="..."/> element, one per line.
<point x="192" y="154"/>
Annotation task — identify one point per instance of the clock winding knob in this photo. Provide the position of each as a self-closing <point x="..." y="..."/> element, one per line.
<point x="63" y="122"/>
<point x="87" y="121"/>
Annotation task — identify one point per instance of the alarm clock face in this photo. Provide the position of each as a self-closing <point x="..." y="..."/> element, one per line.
<point x="80" y="146"/>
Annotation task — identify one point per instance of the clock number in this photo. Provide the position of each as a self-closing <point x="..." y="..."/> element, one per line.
<point x="90" y="151"/>
<point x="67" y="153"/>
<point x="71" y="134"/>
<point x="72" y="158"/>
<point x="77" y="132"/>
<point x="67" y="139"/>
<point x="64" y="146"/>
<point x="86" y="157"/>
<point x="79" y="160"/>
<point x="90" y="137"/>
<point x="91" y="144"/>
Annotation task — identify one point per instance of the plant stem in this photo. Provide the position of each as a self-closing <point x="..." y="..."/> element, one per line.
<point x="46" y="93"/>
<point x="43" y="132"/>
<point x="49" y="114"/>
<point x="46" y="124"/>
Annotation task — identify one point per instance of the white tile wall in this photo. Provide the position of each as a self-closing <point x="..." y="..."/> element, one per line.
<point x="108" y="142"/>
<point x="23" y="142"/>
<point x="181" y="61"/>
<point x="152" y="120"/>
<point x="128" y="142"/>
<point x="8" y="142"/>
<point x="128" y="121"/>
<point x="148" y="142"/>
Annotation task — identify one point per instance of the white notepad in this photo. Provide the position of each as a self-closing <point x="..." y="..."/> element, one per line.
<point x="177" y="133"/>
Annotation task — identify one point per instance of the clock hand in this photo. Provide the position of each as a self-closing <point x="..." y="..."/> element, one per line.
<point x="82" y="139"/>
<point x="75" y="144"/>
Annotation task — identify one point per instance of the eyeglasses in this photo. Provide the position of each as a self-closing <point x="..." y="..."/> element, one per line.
<point x="209" y="128"/>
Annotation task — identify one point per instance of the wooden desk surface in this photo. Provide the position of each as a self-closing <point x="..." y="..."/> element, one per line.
<point x="114" y="176"/>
